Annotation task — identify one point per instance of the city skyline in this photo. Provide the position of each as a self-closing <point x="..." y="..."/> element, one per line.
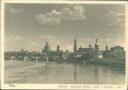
<point x="76" y="47"/>
<point x="31" y="25"/>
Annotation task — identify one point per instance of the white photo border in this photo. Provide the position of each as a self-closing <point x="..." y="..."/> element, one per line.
<point x="61" y="86"/>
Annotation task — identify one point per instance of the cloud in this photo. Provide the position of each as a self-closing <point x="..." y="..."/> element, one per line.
<point x="75" y="12"/>
<point x="14" y="38"/>
<point x="114" y="18"/>
<point x="117" y="17"/>
<point x="16" y="10"/>
<point x="32" y="43"/>
<point x="51" y="18"/>
<point x="54" y="17"/>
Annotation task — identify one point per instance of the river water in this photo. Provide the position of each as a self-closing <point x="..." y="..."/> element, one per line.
<point x="28" y="72"/>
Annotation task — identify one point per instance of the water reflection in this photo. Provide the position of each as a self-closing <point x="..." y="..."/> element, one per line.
<point x="75" y="73"/>
<point x="66" y="73"/>
<point x="82" y="73"/>
<point x="96" y="74"/>
<point x="46" y="71"/>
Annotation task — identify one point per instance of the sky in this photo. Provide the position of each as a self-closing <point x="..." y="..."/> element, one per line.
<point x="29" y="26"/>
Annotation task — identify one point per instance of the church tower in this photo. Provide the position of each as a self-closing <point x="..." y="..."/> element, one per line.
<point x="106" y="47"/>
<point x="58" y="48"/>
<point x="96" y="45"/>
<point x="75" y="45"/>
<point x="46" y="48"/>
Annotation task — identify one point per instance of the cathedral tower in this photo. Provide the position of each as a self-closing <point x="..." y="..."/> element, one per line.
<point x="96" y="45"/>
<point x="106" y="47"/>
<point x="75" y="45"/>
<point x="46" y="48"/>
<point x="58" y="48"/>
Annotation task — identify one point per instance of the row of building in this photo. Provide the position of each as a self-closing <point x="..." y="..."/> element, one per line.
<point x="79" y="53"/>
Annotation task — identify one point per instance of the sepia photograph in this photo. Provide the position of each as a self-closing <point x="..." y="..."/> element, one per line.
<point x="64" y="43"/>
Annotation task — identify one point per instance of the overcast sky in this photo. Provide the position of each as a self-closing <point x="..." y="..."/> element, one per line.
<point x="28" y="26"/>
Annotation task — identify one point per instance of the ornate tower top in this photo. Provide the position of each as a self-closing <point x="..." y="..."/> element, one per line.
<point x="96" y="45"/>
<point x="97" y="42"/>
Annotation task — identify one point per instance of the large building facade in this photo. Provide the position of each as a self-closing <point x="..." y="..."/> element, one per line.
<point x="115" y="52"/>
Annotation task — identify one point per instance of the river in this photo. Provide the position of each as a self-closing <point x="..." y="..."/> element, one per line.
<point x="28" y="72"/>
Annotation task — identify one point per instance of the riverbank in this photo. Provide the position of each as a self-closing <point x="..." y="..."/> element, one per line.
<point x="107" y="62"/>
<point x="114" y="63"/>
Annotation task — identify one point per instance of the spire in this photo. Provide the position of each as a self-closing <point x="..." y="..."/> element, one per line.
<point x="75" y="38"/>
<point x="96" y="40"/>
<point x="106" y="47"/>
<point x="75" y="45"/>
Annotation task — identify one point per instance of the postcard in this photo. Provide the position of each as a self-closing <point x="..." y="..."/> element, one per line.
<point x="64" y="45"/>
